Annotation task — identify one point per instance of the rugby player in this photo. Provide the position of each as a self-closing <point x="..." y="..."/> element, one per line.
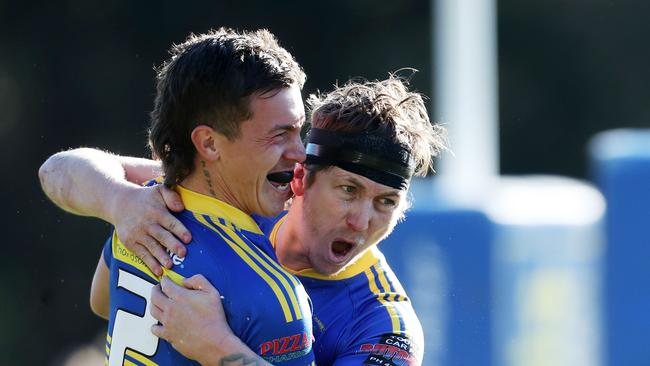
<point x="226" y="127"/>
<point x="367" y="142"/>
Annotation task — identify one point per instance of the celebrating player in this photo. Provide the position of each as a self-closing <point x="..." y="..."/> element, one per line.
<point x="367" y="141"/>
<point x="226" y="126"/>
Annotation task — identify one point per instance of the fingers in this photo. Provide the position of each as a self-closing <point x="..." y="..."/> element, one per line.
<point x="170" y="289"/>
<point x="171" y="198"/>
<point x="177" y="228"/>
<point x="166" y="239"/>
<point x="173" y="201"/>
<point x="159" y="331"/>
<point x="198" y="282"/>
<point x="159" y="299"/>
<point x="156" y="250"/>
<point x="157" y="313"/>
<point x="148" y="259"/>
<point x="147" y="228"/>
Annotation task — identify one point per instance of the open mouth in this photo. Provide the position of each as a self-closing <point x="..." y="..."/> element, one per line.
<point x="280" y="180"/>
<point x="341" y="248"/>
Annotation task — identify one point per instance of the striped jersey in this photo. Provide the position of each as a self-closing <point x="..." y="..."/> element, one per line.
<point x="362" y="315"/>
<point x="265" y="306"/>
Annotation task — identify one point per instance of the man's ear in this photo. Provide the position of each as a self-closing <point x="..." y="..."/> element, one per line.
<point x="205" y="140"/>
<point x="299" y="180"/>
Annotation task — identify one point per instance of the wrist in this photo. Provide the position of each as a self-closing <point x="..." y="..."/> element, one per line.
<point x="219" y="346"/>
<point x="121" y="192"/>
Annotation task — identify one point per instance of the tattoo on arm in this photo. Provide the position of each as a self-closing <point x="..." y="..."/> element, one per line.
<point x="239" y="359"/>
<point x="206" y="173"/>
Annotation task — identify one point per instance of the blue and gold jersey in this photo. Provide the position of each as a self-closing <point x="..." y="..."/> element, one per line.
<point x="362" y="315"/>
<point x="266" y="307"/>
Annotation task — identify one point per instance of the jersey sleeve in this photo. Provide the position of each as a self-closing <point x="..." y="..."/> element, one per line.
<point x="388" y="335"/>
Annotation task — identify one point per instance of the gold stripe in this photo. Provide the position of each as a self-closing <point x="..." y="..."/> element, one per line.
<point x="140" y="358"/>
<point x="107" y="350"/>
<point x="272" y="262"/>
<point x="273" y="239"/>
<point x="389" y="307"/>
<point x="366" y="260"/>
<point x="121" y="253"/>
<point x="129" y="363"/>
<point x="406" y="331"/>
<point x="371" y="281"/>
<point x="108" y="338"/>
<point x="175" y="277"/>
<point x="274" y="287"/>
<point x="274" y="267"/>
<point x="392" y="297"/>
<point x="283" y="280"/>
<point x="274" y="233"/>
<point x="384" y="283"/>
<point x="200" y="203"/>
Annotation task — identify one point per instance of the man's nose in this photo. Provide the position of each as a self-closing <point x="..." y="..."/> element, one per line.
<point x="296" y="150"/>
<point x="359" y="218"/>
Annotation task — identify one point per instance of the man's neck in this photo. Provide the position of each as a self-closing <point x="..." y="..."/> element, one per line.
<point x="289" y="246"/>
<point x="194" y="182"/>
<point x="200" y="181"/>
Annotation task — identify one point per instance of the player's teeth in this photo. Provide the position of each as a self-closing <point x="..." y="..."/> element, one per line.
<point x="283" y="187"/>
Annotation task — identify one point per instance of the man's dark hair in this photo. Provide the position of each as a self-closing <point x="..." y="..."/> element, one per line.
<point x="209" y="80"/>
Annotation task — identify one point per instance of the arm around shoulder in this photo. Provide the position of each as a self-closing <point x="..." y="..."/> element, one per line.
<point x="82" y="181"/>
<point x="92" y="182"/>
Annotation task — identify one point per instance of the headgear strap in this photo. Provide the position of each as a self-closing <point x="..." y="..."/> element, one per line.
<point x="374" y="157"/>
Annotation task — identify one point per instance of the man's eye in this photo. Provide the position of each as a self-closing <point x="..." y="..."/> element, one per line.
<point x="349" y="189"/>
<point x="388" y="202"/>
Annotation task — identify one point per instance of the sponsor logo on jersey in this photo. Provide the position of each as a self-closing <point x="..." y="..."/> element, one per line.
<point x="175" y="258"/>
<point x="392" y="350"/>
<point x="286" y="348"/>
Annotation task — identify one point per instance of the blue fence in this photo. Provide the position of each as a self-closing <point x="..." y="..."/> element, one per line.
<point x="621" y="168"/>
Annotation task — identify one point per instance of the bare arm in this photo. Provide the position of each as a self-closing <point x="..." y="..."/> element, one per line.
<point x="91" y="182"/>
<point x="192" y="319"/>
<point x="99" y="293"/>
<point x="81" y="181"/>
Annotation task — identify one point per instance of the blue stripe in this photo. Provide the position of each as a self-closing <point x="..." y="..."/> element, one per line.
<point x="379" y="286"/>
<point x="390" y="283"/>
<point x="376" y="276"/>
<point x="259" y="251"/>
<point x="127" y="357"/>
<point x="398" y="297"/>
<point x="287" y="276"/>
<point x="261" y="267"/>
<point x="378" y="283"/>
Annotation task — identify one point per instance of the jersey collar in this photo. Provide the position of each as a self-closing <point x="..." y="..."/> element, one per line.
<point x="202" y="204"/>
